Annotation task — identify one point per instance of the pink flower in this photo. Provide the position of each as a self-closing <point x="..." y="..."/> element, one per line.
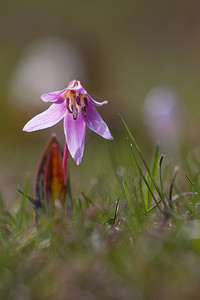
<point x="76" y="106"/>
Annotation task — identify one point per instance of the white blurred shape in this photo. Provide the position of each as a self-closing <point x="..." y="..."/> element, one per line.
<point x="46" y="65"/>
<point x="162" y="115"/>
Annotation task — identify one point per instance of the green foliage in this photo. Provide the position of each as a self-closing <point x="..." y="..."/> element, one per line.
<point x="154" y="174"/>
<point x="134" y="238"/>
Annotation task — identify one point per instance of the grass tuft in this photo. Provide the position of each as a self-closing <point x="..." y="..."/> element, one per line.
<point x="135" y="237"/>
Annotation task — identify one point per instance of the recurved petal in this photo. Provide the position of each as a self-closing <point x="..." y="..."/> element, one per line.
<point x="75" y="136"/>
<point x="48" y="118"/>
<point x="95" y="102"/>
<point x="52" y="97"/>
<point x="96" y="123"/>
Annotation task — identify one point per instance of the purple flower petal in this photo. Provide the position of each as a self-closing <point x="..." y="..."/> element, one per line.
<point x="52" y="97"/>
<point x="97" y="103"/>
<point x="48" y="118"/>
<point x="96" y="123"/>
<point x="75" y="136"/>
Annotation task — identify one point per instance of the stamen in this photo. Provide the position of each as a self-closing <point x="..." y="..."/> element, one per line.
<point x="84" y="111"/>
<point x="78" y="100"/>
<point x="85" y="107"/>
<point x="86" y="103"/>
<point x="69" y="110"/>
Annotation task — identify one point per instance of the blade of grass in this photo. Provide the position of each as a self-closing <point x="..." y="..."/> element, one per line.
<point x="80" y="205"/>
<point x="27" y="196"/>
<point x="160" y="175"/>
<point x="21" y="212"/>
<point x="193" y="184"/>
<point x="135" y="192"/>
<point x="126" y="190"/>
<point x="172" y="186"/>
<point x="144" y="162"/>
<point x="195" y="191"/>
<point x="91" y="202"/>
<point x="37" y="212"/>
<point x="142" y="175"/>
<point x="141" y="193"/>
<point x="11" y="217"/>
<point x="116" y="209"/>
<point x="174" y="198"/>
<point x="154" y="175"/>
<point x="6" y="227"/>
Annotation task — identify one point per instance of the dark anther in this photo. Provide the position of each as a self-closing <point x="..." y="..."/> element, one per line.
<point x="69" y="110"/>
<point x="84" y="112"/>
<point x="78" y="100"/>
<point x="86" y="103"/>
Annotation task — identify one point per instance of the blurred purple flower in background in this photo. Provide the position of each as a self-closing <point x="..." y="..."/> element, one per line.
<point x="76" y="106"/>
<point x="162" y="114"/>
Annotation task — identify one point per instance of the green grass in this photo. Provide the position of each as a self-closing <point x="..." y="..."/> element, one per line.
<point x="136" y="236"/>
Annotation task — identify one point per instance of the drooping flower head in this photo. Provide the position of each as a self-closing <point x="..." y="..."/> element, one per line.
<point x="76" y="106"/>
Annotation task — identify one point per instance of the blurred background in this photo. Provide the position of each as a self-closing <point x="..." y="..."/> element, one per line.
<point x="141" y="56"/>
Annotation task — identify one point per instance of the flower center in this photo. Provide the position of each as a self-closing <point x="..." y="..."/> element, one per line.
<point x="75" y="103"/>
